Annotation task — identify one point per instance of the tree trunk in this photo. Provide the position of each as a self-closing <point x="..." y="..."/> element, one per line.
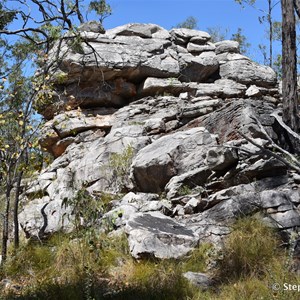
<point x="16" y="211"/>
<point x="270" y="20"/>
<point x="5" y="233"/>
<point x="289" y="66"/>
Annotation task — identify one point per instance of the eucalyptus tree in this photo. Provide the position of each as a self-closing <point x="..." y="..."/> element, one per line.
<point x="28" y="30"/>
<point x="267" y="17"/>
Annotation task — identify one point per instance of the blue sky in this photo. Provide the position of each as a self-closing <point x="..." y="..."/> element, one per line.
<point x="226" y="14"/>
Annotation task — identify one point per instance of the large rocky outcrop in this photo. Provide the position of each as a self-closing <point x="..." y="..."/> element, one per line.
<point x="153" y="117"/>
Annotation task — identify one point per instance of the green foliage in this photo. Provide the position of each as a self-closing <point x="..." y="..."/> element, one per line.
<point x="184" y="190"/>
<point x="250" y="240"/>
<point x="277" y="65"/>
<point x="76" y="44"/>
<point x="217" y="33"/>
<point x="86" y="208"/>
<point x="70" y="267"/>
<point x="92" y="266"/>
<point x="102" y="9"/>
<point x="242" y="2"/>
<point x="6" y="16"/>
<point x="61" y="78"/>
<point x="54" y="32"/>
<point x="120" y="163"/>
<point x="189" y="23"/>
<point x="30" y="260"/>
<point x="242" y="40"/>
<point x="199" y="258"/>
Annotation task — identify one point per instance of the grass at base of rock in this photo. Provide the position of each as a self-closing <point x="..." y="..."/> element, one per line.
<point x="95" y="266"/>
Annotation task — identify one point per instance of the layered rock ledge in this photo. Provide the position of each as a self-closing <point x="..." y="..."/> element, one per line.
<point x="165" y="108"/>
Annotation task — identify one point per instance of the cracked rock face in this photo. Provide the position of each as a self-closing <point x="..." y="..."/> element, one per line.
<point x="158" y="235"/>
<point x="153" y="117"/>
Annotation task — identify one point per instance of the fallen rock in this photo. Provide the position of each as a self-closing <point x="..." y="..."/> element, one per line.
<point x="200" y="280"/>
<point x="42" y="217"/>
<point x="156" y="235"/>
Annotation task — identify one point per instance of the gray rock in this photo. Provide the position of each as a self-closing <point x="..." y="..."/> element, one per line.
<point x="285" y="220"/>
<point x="69" y="124"/>
<point x="154" y="86"/>
<point x="190" y="179"/>
<point x="168" y="156"/>
<point x="154" y="234"/>
<point x="220" y="158"/>
<point x="237" y="116"/>
<point x="183" y="35"/>
<point x="264" y="168"/>
<point x="227" y="46"/>
<point x="198" y="68"/>
<point x="138" y="29"/>
<point x="200" y="280"/>
<point x="199" y="107"/>
<point x="42" y="217"/>
<point x="143" y="90"/>
<point x="273" y="198"/>
<point x="118" y="216"/>
<point x="91" y="26"/>
<point x="194" y="48"/>
<point x="224" y="88"/>
<point x="191" y="206"/>
<point x="253" y="91"/>
<point x="247" y="72"/>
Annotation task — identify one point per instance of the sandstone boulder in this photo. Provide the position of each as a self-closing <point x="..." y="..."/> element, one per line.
<point x="247" y="72"/>
<point x="156" y="235"/>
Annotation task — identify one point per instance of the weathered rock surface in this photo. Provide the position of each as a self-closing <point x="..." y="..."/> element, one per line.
<point x="200" y="280"/>
<point x="245" y="71"/>
<point x="168" y="156"/>
<point x="106" y="69"/>
<point x="153" y="117"/>
<point x="158" y="235"/>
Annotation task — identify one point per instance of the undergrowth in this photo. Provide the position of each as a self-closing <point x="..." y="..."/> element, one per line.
<point x="99" y="266"/>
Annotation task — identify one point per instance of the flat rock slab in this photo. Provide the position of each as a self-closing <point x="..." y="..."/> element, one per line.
<point x="168" y="156"/>
<point x="154" y="234"/>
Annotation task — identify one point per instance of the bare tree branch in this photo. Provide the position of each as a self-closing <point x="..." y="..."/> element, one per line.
<point x="271" y="153"/>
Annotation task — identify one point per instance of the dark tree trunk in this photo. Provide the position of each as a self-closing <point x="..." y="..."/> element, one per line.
<point x="5" y="233"/>
<point x="16" y="211"/>
<point x="289" y="65"/>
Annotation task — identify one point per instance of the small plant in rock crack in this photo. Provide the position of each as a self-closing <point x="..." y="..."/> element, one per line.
<point x="120" y="163"/>
<point x="184" y="190"/>
<point x="86" y="209"/>
<point x="110" y="222"/>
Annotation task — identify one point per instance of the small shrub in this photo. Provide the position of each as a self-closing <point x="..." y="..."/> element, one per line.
<point x="184" y="190"/>
<point x="150" y="279"/>
<point x="120" y="163"/>
<point x="249" y="249"/>
<point x="198" y="259"/>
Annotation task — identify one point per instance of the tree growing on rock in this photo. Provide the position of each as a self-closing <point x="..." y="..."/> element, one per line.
<point x="189" y="23"/>
<point x="242" y="40"/>
<point x="36" y="26"/>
